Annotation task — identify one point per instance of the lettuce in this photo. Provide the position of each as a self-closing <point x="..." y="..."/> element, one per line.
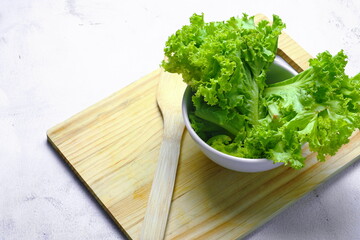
<point x="320" y="106"/>
<point x="236" y="112"/>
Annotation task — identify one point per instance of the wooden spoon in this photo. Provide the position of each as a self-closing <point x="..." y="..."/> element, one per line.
<point x="169" y="96"/>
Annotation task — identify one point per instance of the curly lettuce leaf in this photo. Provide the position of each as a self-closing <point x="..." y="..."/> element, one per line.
<point x="225" y="63"/>
<point x="236" y="112"/>
<point x="319" y="106"/>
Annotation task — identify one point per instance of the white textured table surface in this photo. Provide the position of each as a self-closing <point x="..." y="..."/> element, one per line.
<point x="58" y="57"/>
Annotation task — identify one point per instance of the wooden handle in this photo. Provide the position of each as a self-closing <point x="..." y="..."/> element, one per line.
<point x="158" y="206"/>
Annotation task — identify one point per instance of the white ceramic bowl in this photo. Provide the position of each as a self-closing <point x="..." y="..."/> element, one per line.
<point x="279" y="70"/>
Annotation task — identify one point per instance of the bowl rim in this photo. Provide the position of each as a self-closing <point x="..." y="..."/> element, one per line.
<point x="278" y="61"/>
<point x="203" y="143"/>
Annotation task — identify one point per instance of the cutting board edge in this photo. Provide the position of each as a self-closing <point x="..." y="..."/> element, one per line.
<point x="52" y="131"/>
<point x="293" y="201"/>
<point x="56" y="127"/>
<point x="123" y="231"/>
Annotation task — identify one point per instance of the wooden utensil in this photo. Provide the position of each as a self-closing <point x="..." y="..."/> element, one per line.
<point x="169" y="96"/>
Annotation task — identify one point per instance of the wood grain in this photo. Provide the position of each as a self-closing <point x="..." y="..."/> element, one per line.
<point x="113" y="148"/>
<point x="170" y="92"/>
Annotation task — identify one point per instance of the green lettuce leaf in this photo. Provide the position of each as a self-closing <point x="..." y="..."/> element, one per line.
<point x="320" y="105"/>
<point x="236" y="112"/>
<point x="225" y="64"/>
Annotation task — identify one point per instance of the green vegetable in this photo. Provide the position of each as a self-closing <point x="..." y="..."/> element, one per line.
<point x="236" y="112"/>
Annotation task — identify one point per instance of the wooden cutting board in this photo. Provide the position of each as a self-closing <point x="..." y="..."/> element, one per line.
<point x="113" y="148"/>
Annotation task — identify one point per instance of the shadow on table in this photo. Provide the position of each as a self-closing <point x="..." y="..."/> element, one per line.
<point x="105" y="214"/>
